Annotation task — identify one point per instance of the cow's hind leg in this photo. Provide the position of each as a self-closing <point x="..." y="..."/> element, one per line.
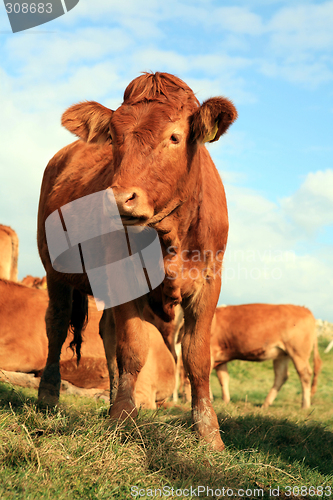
<point x="132" y="352"/>
<point x="281" y="376"/>
<point x="108" y="333"/>
<point x="223" y="376"/>
<point x="57" y="318"/>
<point x="304" y="371"/>
<point x="197" y="363"/>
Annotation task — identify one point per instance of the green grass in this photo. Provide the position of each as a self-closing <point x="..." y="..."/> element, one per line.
<point x="72" y="451"/>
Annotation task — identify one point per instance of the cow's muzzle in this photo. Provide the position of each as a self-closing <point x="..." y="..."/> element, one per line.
<point x="132" y="205"/>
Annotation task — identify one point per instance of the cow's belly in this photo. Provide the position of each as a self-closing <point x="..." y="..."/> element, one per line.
<point x="263" y="353"/>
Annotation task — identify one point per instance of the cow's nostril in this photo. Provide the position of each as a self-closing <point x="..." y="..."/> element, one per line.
<point x="131" y="197"/>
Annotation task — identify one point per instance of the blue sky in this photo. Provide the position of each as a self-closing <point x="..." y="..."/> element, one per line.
<point x="274" y="59"/>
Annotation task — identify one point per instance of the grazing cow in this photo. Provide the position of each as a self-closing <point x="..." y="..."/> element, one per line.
<point x="8" y="253"/>
<point x="34" y="282"/>
<point x="258" y="332"/>
<point x="24" y="344"/>
<point x="150" y="156"/>
<point x="23" y="348"/>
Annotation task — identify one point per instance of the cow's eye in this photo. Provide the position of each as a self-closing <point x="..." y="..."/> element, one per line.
<point x="110" y="136"/>
<point x="175" y="139"/>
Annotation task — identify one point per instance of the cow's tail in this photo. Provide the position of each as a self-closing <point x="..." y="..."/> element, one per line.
<point x="78" y="321"/>
<point x="316" y="366"/>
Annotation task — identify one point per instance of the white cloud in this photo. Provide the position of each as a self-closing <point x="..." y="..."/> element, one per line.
<point x="269" y="257"/>
<point x="302" y="27"/>
<point x="50" y="56"/>
<point x="282" y="277"/>
<point x="306" y="73"/>
<point x="311" y="207"/>
<point x="238" y="20"/>
<point x="300" y="41"/>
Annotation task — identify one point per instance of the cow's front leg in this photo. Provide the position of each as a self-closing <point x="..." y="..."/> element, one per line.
<point x="132" y="352"/>
<point x="197" y="361"/>
<point x="57" y="318"/>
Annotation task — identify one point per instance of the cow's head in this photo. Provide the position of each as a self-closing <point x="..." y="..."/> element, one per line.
<point x="155" y="135"/>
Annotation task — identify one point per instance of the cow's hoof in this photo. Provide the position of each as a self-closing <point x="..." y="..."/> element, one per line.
<point x="206" y="425"/>
<point x="49" y="387"/>
<point x="121" y="411"/>
<point x="47" y="395"/>
<point x="215" y="442"/>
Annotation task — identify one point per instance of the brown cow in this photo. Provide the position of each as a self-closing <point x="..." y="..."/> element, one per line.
<point x="171" y="331"/>
<point x="23" y="343"/>
<point x="34" y="282"/>
<point x="23" y="340"/>
<point x="150" y="155"/>
<point x="258" y="332"/>
<point x="8" y="253"/>
<point x="23" y="347"/>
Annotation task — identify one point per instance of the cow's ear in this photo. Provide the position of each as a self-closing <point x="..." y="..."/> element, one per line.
<point x="212" y="119"/>
<point x="88" y="120"/>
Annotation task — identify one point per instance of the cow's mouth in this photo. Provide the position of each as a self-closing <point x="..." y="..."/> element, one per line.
<point x="129" y="220"/>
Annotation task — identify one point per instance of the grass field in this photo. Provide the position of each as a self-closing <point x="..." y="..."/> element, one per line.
<point x="72" y="451"/>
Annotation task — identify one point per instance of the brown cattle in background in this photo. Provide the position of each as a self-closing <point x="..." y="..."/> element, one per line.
<point x="259" y="332"/>
<point x="23" y="347"/>
<point x="23" y="343"/>
<point x="150" y="155"/>
<point x="9" y="244"/>
<point x="34" y="282"/>
<point x="171" y="331"/>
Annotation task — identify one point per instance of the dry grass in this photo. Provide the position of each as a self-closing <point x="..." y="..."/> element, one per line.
<point x="72" y="451"/>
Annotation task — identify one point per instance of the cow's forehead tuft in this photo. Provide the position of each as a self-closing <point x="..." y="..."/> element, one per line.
<point x="161" y="87"/>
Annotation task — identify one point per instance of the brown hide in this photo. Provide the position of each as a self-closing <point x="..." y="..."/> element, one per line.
<point x="23" y="341"/>
<point x="23" y="347"/>
<point x="150" y="152"/>
<point x="258" y="332"/>
<point x="8" y="253"/>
